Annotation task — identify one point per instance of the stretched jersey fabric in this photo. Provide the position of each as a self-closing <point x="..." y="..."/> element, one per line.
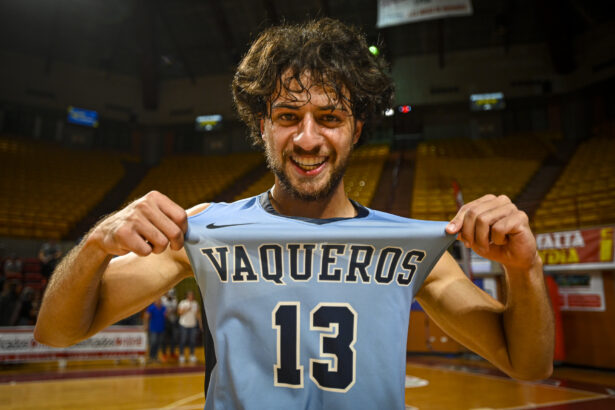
<point x="309" y="313"/>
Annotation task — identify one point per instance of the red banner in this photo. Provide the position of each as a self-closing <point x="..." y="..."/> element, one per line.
<point x="572" y="247"/>
<point x="116" y="342"/>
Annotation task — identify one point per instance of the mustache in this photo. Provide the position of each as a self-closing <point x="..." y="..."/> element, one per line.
<point x="300" y="151"/>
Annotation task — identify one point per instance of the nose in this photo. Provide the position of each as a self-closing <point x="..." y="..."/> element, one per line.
<point x="308" y="136"/>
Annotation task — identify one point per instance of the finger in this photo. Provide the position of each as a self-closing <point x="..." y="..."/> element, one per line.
<point x="483" y="234"/>
<point x="161" y="221"/>
<point x="173" y="211"/>
<point x="168" y="217"/>
<point x="156" y="239"/>
<point x="511" y="225"/>
<point x="129" y="240"/>
<point x="473" y="213"/>
<point x="456" y="224"/>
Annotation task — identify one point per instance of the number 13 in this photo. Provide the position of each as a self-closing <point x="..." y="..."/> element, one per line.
<point x="337" y="324"/>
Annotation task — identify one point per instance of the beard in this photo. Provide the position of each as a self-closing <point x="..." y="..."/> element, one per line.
<point x="308" y="195"/>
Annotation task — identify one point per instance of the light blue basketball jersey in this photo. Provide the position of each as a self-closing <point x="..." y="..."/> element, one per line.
<point x="309" y="313"/>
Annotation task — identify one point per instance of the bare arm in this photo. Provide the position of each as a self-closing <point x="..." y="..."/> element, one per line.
<point x="90" y="291"/>
<point x="516" y="337"/>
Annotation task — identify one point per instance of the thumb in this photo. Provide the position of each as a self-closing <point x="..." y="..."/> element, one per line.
<point x="455" y="225"/>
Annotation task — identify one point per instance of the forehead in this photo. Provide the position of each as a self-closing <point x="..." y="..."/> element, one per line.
<point x="305" y="90"/>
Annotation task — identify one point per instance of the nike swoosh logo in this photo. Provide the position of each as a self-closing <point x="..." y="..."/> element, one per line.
<point x="214" y="226"/>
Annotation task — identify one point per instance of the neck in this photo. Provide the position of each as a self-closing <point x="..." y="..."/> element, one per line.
<point x="337" y="205"/>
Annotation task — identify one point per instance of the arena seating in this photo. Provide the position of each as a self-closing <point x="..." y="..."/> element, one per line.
<point x="481" y="166"/>
<point x="192" y="179"/>
<point x="261" y="185"/>
<point x="364" y="171"/>
<point x="360" y="181"/>
<point x="46" y="189"/>
<point x="584" y="195"/>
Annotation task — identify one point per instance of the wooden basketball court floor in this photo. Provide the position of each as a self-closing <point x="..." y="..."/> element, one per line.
<point x="432" y="383"/>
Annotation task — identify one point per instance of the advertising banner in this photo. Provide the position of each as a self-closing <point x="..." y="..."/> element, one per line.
<point x="17" y="344"/>
<point x="583" y="246"/>
<point x="396" y="12"/>
<point x="582" y="292"/>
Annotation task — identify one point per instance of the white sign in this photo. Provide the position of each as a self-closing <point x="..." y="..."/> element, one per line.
<point x="584" y="291"/>
<point x="115" y="342"/>
<point x="395" y="12"/>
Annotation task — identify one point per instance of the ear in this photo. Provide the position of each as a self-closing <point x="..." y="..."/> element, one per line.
<point x="358" y="127"/>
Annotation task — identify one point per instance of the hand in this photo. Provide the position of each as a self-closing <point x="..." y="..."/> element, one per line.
<point x="495" y="229"/>
<point x="149" y="224"/>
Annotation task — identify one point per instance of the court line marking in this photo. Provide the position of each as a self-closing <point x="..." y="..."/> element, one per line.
<point x="84" y="379"/>
<point x="504" y="379"/>
<point x="552" y="403"/>
<point x="183" y="401"/>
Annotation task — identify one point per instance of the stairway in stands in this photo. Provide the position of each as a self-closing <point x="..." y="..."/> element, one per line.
<point x="529" y="199"/>
<point x="133" y="174"/>
<point x="236" y="188"/>
<point x="394" y="193"/>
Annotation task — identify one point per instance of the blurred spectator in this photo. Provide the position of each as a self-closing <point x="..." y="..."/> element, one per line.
<point x="13" y="267"/>
<point x="8" y="299"/>
<point x="171" y="327"/>
<point x="154" y="320"/>
<point x="24" y="313"/>
<point x="133" y="320"/>
<point x="189" y="316"/>
<point x="49" y="256"/>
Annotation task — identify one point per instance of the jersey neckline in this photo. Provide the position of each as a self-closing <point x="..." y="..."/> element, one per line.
<point x="265" y="202"/>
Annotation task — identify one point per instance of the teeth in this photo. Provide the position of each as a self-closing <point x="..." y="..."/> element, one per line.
<point x="309" y="163"/>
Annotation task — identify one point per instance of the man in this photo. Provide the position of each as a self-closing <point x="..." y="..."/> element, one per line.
<point x="307" y="293"/>
<point x="189" y="317"/>
<point x="154" y="321"/>
<point x="169" y="338"/>
<point x="49" y="255"/>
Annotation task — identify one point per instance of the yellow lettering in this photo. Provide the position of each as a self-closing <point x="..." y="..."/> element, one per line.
<point x="606" y="245"/>
<point x="573" y="256"/>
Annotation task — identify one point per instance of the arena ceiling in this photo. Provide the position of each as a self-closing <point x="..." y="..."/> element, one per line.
<point x="190" y="38"/>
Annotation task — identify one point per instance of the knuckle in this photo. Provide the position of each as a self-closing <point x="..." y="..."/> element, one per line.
<point x="489" y="196"/>
<point x="163" y="245"/>
<point x="503" y="198"/>
<point x="177" y="234"/>
<point x="482" y="219"/>
<point x="142" y="205"/>
<point x="122" y="232"/>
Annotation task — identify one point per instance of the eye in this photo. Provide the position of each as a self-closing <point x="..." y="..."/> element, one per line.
<point x="330" y="119"/>
<point x="286" y="117"/>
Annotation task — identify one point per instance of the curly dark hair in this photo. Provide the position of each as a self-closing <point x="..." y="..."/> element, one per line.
<point x="335" y="56"/>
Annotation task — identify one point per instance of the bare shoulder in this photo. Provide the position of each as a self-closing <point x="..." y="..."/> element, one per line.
<point x="197" y="209"/>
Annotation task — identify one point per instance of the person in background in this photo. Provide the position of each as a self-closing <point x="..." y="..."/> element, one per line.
<point x="49" y="255"/>
<point x="154" y="322"/>
<point x="9" y="298"/>
<point x="24" y="313"/>
<point x="169" y="338"/>
<point x="189" y="317"/>
<point x="13" y="267"/>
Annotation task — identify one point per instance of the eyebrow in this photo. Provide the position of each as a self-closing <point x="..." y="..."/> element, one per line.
<point x="330" y="107"/>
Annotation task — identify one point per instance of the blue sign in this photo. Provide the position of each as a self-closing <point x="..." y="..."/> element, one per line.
<point x="81" y="116"/>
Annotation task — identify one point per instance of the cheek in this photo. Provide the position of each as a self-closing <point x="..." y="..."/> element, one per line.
<point x="341" y="139"/>
<point x="278" y="137"/>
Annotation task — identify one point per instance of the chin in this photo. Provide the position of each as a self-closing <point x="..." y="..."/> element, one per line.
<point x="309" y="192"/>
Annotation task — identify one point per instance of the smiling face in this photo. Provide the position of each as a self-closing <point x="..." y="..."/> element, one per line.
<point x="308" y="139"/>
